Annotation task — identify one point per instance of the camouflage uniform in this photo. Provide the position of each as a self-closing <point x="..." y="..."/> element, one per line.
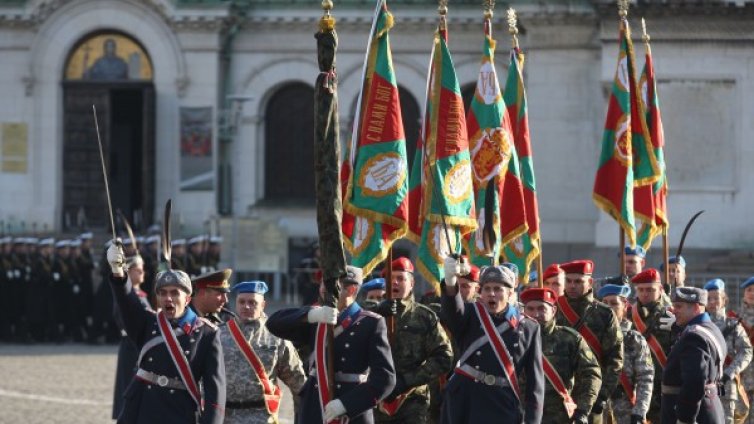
<point x="738" y="359"/>
<point x="651" y="314"/>
<point x="421" y="352"/>
<point x="638" y="366"/>
<point x="280" y="360"/>
<point x="578" y="368"/>
<point x="747" y="376"/>
<point x="600" y="319"/>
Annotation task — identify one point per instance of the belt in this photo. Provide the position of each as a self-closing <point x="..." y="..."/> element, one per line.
<point x="468" y="371"/>
<point x="709" y="389"/>
<point x="160" y="380"/>
<point x="247" y="404"/>
<point x="344" y="377"/>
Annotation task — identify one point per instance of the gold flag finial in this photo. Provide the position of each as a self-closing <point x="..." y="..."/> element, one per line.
<point x="513" y="25"/>
<point x="644" y="34"/>
<point x="442" y="10"/>
<point x="327" y="22"/>
<point x="489" y="6"/>
<point x="623" y="9"/>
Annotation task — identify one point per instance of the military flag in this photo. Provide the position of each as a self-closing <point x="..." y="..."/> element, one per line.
<point x="614" y="182"/>
<point x="652" y="196"/>
<point x="375" y="171"/>
<point x="447" y="202"/>
<point x="501" y="213"/>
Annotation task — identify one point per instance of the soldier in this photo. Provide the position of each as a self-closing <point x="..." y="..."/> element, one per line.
<point x="595" y="322"/>
<point x="499" y="346"/>
<point x="421" y="350"/>
<point x="364" y="372"/>
<point x="571" y="369"/>
<point x="76" y="315"/>
<point x="738" y="347"/>
<point x="214" y="252"/>
<point x="374" y="293"/>
<point x="178" y="257"/>
<point x="695" y="364"/>
<point x="553" y="278"/>
<point x="194" y="259"/>
<point x="127" y="352"/>
<point x="255" y="360"/>
<point x="630" y="402"/>
<point x="40" y="306"/>
<point x="651" y="317"/>
<point x="19" y="288"/>
<point x="635" y="260"/>
<point x="6" y="277"/>
<point x="210" y="296"/>
<point x="179" y="351"/>
<point x="62" y="293"/>
<point x="676" y="271"/>
<point x="747" y="321"/>
<point x="85" y="266"/>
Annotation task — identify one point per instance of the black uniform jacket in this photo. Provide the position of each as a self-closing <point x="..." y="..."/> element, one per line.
<point x="149" y="403"/>
<point x="361" y="348"/>
<point x="467" y="401"/>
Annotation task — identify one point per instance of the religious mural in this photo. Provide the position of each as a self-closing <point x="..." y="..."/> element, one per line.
<point x="109" y="56"/>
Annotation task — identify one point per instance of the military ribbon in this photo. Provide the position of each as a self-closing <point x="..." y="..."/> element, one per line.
<point x="654" y="345"/>
<point x="557" y="383"/>
<point x="498" y="347"/>
<point x="179" y="359"/>
<point x="573" y="318"/>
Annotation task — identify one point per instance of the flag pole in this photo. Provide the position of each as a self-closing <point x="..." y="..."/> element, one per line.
<point x="622" y="247"/>
<point x="666" y="257"/>
<point x="390" y="321"/>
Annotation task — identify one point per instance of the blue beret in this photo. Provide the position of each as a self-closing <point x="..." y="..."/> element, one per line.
<point x="674" y="260"/>
<point x="374" y="284"/>
<point x="511" y="266"/>
<point x="258" y="287"/>
<point x="639" y="251"/>
<point x="533" y="276"/>
<point x="747" y="283"/>
<point x="715" y="284"/>
<point x="614" y="289"/>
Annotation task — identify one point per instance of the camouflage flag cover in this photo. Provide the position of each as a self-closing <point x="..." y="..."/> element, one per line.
<point x="653" y="196"/>
<point x="327" y="164"/>
<point x="614" y="182"/>
<point x="523" y="250"/>
<point x="447" y="190"/>
<point x="375" y="170"/>
<point x="501" y="215"/>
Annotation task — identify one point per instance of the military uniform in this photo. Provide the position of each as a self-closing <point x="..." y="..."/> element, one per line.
<point x="245" y="395"/>
<point x="640" y="372"/>
<point x="578" y="368"/>
<point x="147" y="400"/>
<point x="478" y="391"/>
<point x="599" y="318"/>
<point x="695" y="365"/>
<point x="6" y="276"/>
<point x="421" y="353"/>
<point x="41" y="309"/>
<point x="216" y="280"/>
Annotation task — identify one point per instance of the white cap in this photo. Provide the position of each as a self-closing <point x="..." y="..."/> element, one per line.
<point x="47" y="242"/>
<point x="178" y="242"/>
<point x="216" y="239"/>
<point x="63" y="243"/>
<point x="152" y="239"/>
<point x="86" y="236"/>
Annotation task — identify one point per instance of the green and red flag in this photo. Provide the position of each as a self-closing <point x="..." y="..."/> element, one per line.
<point x="447" y="202"/>
<point x="614" y="182"/>
<point x="501" y="213"/>
<point x="375" y="170"/>
<point x="657" y="192"/>
<point x="522" y="250"/>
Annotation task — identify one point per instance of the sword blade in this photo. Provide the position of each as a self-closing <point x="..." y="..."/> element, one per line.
<point x="104" y="172"/>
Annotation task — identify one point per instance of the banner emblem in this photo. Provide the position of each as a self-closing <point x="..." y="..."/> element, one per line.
<point x="438" y="243"/>
<point x="457" y="185"/>
<point x="362" y="234"/>
<point x="383" y="174"/>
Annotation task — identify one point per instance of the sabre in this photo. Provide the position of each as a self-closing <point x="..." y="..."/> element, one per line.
<point x="683" y="240"/>
<point x="130" y="232"/>
<point x="104" y="172"/>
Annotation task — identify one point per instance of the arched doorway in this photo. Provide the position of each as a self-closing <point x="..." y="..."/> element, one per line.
<point x="113" y="72"/>
<point x="289" y="146"/>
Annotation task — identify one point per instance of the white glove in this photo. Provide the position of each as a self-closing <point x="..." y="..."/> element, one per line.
<point x="333" y="410"/>
<point x="116" y="258"/>
<point x="323" y="314"/>
<point x="452" y="268"/>
<point x="666" y="322"/>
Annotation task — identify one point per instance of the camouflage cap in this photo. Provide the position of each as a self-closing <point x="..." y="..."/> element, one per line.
<point x="497" y="274"/>
<point x="173" y="277"/>
<point x="690" y="295"/>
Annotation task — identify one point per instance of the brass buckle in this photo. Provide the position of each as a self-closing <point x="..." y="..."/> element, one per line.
<point x="489" y="379"/>
<point x="162" y="381"/>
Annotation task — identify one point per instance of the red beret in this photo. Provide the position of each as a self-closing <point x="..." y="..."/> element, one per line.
<point x="649" y="275"/>
<point x="583" y="266"/>
<point x="473" y="274"/>
<point x="542" y="295"/>
<point x="400" y="264"/>
<point x="552" y="271"/>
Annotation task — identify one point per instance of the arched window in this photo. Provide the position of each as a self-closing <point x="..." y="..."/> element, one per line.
<point x="411" y="122"/>
<point x="289" y="146"/>
<point x="467" y="93"/>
